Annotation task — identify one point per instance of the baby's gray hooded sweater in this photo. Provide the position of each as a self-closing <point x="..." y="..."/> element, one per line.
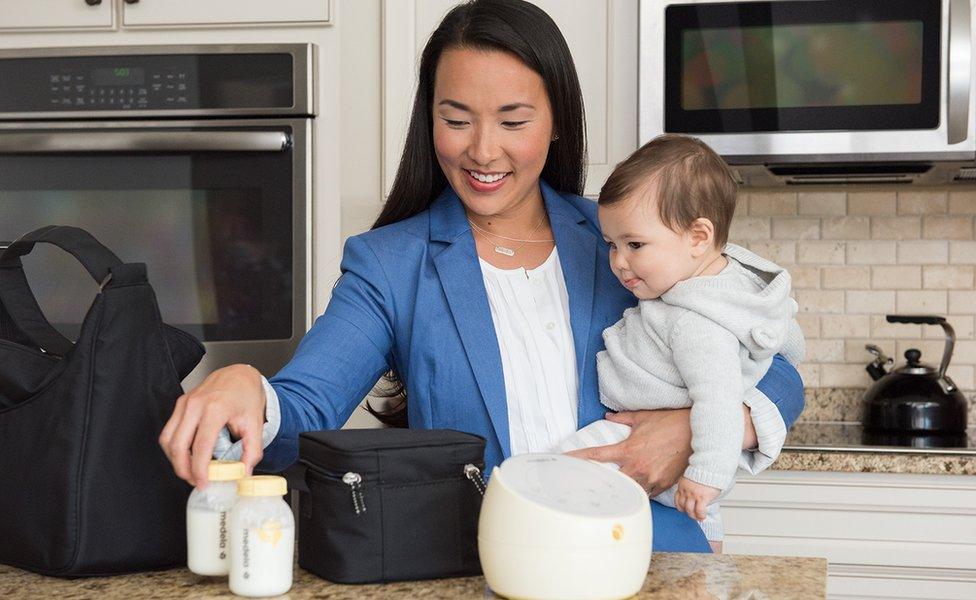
<point x="702" y="344"/>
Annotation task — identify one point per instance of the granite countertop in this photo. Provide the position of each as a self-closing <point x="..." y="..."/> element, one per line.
<point x="675" y="576"/>
<point x="829" y="437"/>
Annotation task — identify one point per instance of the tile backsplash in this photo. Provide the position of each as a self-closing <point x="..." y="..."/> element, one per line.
<point x="856" y="255"/>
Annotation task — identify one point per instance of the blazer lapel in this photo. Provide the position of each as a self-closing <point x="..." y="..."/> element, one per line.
<point x="577" y="255"/>
<point x="461" y="278"/>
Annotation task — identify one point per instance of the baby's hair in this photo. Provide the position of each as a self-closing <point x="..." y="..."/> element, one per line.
<point x="692" y="182"/>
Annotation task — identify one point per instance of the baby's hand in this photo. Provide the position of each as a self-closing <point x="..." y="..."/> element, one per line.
<point x="693" y="498"/>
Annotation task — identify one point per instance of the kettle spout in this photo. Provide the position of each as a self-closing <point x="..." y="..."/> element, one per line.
<point x="876" y="371"/>
<point x="877" y="368"/>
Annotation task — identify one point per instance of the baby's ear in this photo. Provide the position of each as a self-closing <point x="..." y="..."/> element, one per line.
<point x="701" y="235"/>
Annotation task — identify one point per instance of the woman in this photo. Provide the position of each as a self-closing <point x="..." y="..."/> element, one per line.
<point x="459" y="287"/>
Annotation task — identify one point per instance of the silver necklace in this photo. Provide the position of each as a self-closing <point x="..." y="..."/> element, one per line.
<point x="505" y="249"/>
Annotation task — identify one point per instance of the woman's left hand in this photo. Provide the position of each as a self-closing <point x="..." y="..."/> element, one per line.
<point x="655" y="454"/>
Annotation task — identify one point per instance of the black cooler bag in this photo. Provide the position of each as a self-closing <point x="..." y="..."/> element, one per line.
<point x="384" y="505"/>
<point x="84" y="487"/>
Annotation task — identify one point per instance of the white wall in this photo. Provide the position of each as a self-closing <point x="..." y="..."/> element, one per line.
<point x="360" y="129"/>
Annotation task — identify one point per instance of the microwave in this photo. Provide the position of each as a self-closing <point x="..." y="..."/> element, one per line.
<point x="815" y="91"/>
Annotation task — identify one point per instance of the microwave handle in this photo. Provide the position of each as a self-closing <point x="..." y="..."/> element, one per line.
<point x="143" y="141"/>
<point x="958" y="71"/>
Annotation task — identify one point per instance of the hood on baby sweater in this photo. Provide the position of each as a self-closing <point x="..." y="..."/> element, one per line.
<point x="763" y="321"/>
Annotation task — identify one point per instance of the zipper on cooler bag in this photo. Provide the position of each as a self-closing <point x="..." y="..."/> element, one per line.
<point x="355" y="480"/>
<point x="351" y="479"/>
<point x="473" y="473"/>
<point x="355" y="483"/>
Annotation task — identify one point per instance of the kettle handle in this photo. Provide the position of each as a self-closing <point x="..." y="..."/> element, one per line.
<point x="916" y="319"/>
<point x="950" y="334"/>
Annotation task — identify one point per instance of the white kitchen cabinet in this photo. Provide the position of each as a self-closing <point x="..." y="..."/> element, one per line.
<point x="183" y="13"/>
<point x="602" y="35"/>
<point x="32" y="15"/>
<point x="884" y="535"/>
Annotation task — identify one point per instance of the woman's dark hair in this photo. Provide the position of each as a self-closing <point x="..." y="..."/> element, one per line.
<point x="512" y="26"/>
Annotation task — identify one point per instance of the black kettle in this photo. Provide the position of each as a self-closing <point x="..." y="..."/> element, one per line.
<point x="916" y="398"/>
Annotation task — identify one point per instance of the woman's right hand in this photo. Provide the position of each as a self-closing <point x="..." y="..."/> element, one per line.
<point x="656" y="452"/>
<point x="231" y="396"/>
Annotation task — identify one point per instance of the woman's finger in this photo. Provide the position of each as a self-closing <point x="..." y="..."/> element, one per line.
<point x="624" y="418"/>
<point x="203" y="443"/>
<point x="612" y="453"/>
<point x="183" y="438"/>
<point x="251" y="441"/>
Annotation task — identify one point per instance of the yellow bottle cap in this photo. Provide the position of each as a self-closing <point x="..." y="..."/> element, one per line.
<point x="262" y="485"/>
<point x="225" y="470"/>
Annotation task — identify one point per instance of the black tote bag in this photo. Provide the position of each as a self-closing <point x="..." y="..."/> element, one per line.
<point x="84" y="487"/>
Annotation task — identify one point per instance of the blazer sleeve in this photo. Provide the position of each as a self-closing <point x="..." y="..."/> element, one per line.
<point x="774" y="404"/>
<point x="783" y="386"/>
<point x="341" y="357"/>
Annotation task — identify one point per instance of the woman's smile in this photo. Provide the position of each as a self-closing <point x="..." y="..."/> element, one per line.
<point x="486" y="183"/>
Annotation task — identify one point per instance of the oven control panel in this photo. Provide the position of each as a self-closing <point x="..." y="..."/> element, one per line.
<point x="146" y="82"/>
<point x="123" y="88"/>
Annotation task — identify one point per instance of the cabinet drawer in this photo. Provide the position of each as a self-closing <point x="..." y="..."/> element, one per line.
<point x="17" y="15"/>
<point x="162" y="13"/>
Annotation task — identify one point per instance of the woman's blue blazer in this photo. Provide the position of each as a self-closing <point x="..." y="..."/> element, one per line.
<point x="411" y="297"/>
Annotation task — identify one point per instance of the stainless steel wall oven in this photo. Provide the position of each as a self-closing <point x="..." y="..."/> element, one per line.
<point x="192" y="159"/>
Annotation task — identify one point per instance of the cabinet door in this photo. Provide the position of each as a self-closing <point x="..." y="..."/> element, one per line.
<point x="602" y="36"/>
<point x="155" y="13"/>
<point x="55" y="14"/>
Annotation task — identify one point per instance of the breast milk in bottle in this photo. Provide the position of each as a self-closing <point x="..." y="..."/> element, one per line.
<point x="207" y="510"/>
<point x="262" y="538"/>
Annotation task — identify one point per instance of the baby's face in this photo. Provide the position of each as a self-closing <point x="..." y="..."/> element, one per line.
<point x="646" y="256"/>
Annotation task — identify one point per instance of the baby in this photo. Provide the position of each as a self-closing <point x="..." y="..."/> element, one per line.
<point x="710" y="318"/>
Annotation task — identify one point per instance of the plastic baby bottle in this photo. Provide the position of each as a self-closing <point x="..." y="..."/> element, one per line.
<point x="262" y="538"/>
<point x="207" y="510"/>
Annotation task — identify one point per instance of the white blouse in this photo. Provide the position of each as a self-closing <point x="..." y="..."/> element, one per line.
<point x="530" y="311"/>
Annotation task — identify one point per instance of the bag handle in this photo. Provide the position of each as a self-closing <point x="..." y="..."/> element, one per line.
<point x="15" y="291"/>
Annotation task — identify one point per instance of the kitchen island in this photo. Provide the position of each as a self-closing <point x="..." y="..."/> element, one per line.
<point x="672" y="575"/>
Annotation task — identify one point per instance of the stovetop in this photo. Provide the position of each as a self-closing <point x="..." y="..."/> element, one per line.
<point x="851" y="437"/>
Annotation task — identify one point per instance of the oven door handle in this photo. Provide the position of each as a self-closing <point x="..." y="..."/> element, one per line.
<point x="143" y="141"/>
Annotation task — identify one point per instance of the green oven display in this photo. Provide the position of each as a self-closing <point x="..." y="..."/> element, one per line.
<point x="118" y="76"/>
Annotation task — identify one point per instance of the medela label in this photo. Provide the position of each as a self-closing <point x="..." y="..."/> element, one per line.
<point x="207" y="541"/>
<point x="262" y="558"/>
